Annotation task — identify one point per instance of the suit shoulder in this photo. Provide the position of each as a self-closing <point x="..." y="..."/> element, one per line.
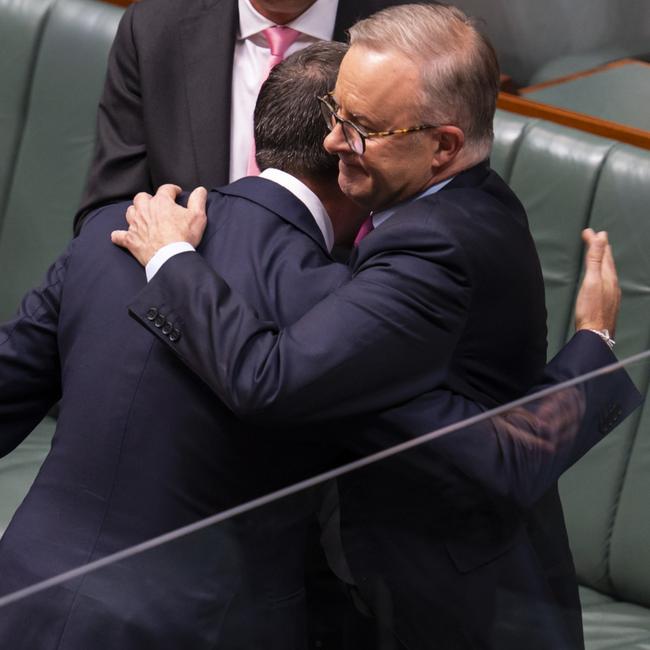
<point x="420" y="225"/>
<point x="246" y="218"/>
<point x="489" y="209"/>
<point x="452" y="225"/>
<point x="221" y="203"/>
<point x="105" y="219"/>
<point x="94" y="239"/>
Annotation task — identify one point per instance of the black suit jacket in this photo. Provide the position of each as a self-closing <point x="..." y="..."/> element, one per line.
<point x="164" y="115"/>
<point x="446" y="295"/>
<point x="143" y="447"/>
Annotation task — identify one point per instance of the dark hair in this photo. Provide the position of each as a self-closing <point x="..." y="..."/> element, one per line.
<point x="289" y="128"/>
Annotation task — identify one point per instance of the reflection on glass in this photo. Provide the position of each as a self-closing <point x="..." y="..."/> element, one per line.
<point x="446" y="539"/>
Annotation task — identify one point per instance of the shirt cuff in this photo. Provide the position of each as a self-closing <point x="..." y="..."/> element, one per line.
<point x="163" y="254"/>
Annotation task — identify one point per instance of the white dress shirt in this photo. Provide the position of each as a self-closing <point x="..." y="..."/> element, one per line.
<point x="250" y="64"/>
<point x="296" y="187"/>
<point x="304" y="194"/>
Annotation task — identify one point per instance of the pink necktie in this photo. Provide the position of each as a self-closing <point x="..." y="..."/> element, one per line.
<point x="366" y="227"/>
<point x="279" y="39"/>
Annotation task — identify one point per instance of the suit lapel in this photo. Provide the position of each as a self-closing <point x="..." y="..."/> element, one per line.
<point x="279" y="200"/>
<point x="207" y="42"/>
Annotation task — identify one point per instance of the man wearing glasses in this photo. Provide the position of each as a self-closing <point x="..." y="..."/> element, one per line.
<point x="446" y="293"/>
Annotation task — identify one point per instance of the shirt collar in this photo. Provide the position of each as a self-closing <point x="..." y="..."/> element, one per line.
<point x="379" y="217"/>
<point x="306" y="196"/>
<point x="317" y="21"/>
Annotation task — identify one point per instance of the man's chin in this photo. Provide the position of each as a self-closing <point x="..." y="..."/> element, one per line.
<point x="354" y="183"/>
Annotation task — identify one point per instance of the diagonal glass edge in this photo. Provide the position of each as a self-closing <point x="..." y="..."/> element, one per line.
<point x="314" y="481"/>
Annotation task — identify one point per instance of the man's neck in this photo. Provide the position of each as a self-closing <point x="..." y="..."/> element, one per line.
<point x="281" y="17"/>
<point x="345" y="215"/>
<point x="306" y="195"/>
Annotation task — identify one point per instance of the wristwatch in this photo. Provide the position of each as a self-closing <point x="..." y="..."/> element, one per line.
<point x="604" y="334"/>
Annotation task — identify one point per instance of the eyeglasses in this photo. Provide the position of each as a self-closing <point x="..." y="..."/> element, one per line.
<point x="355" y="135"/>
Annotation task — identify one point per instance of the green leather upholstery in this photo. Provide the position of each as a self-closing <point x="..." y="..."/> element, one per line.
<point x="56" y="142"/>
<point x="555" y="175"/>
<point x="20" y="32"/>
<point x="567" y="180"/>
<point x="51" y="71"/>
<point x="510" y="129"/>
<point x="615" y="625"/>
<point x="569" y="64"/>
<point x="621" y="198"/>
<point x="619" y="94"/>
<point x="621" y="206"/>
<point x="18" y="469"/>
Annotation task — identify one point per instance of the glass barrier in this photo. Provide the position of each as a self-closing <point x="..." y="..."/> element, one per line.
<point x="434" y="525"/>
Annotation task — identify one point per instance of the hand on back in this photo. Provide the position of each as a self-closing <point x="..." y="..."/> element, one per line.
<point x="155" y="221"/>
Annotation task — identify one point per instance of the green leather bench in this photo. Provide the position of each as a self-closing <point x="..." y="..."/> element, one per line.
<point x="569" y="180"/>
<point x="570" y="64"/>
<point x="53" y="61"/>
<point x="52" y="64"/>
<point x="618" y="92"/>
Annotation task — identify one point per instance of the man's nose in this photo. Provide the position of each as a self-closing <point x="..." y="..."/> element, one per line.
<point x="334" y="142"/>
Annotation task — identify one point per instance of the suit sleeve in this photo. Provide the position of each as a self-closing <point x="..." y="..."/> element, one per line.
<point x="519" y="454"/>
<point x="378" y="340"/>
<point x="540" y="440"/>
<point x="120" y="166"/>
<point x="30" y="377"/>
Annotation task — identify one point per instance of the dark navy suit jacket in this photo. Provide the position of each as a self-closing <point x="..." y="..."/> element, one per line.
<point x="447" y="294"/>
<point x="143" y="447"/>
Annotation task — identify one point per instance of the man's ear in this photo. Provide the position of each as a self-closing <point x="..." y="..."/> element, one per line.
<point x="450" y="141"/>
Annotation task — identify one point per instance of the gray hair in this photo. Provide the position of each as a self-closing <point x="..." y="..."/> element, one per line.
<point x="289" y="128"/>
<point x="458" y="65"/>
